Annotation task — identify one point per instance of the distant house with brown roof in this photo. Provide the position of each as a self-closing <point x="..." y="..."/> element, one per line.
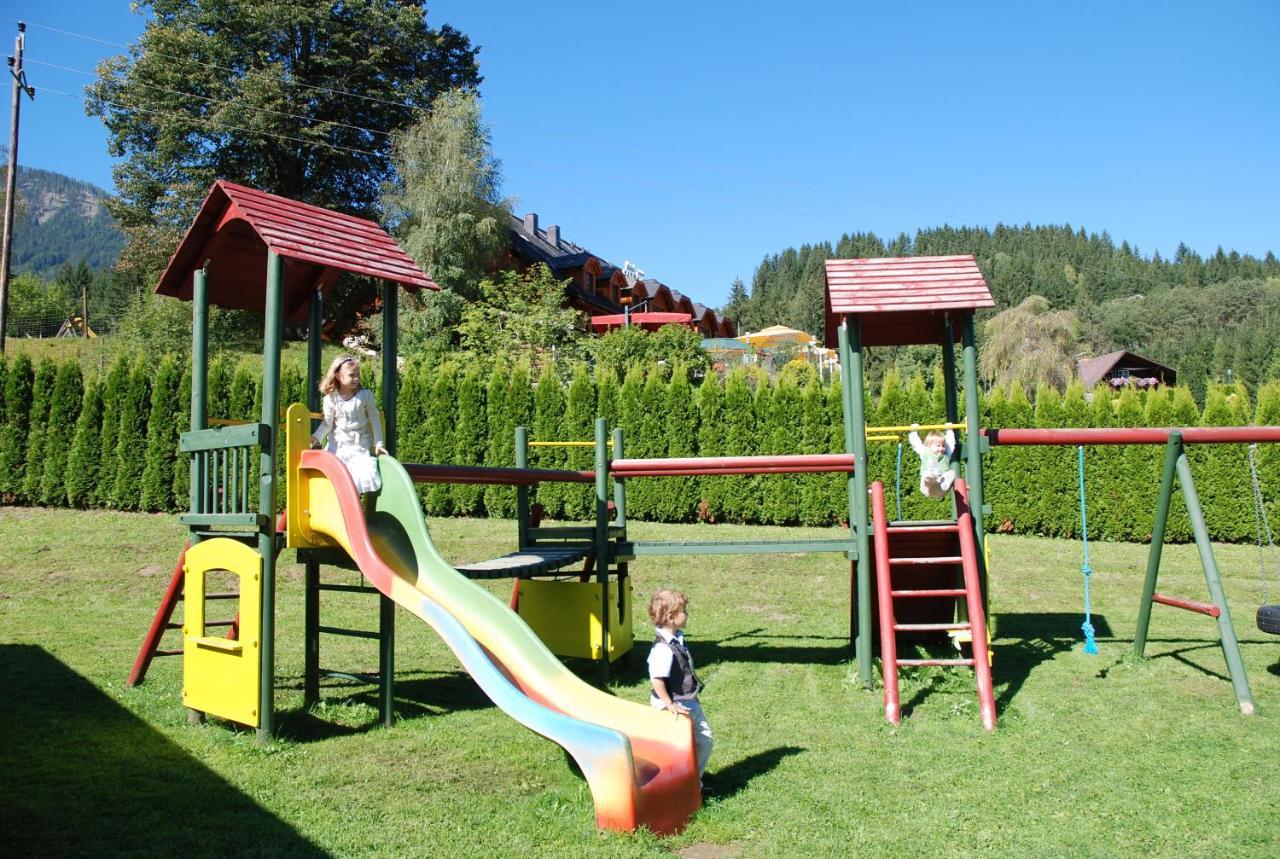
<point x="594" y="284"/>
<point x="1122" y="369"/>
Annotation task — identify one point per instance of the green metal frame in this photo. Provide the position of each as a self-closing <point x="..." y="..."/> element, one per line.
<point x="1177" y="464"/>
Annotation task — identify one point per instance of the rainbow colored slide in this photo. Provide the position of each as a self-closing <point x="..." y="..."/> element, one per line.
<point x="639" y="762"/>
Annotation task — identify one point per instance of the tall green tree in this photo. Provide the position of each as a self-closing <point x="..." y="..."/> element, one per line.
<point x="13" y="444"/>
<point x="161" y="439"/>
<point x="446" y="198"/>
<point x="113" y="397"/>
<point x="41" y="401"/>
<point x="472" y="431"/>
<point x="1030" y="344"/>
<point x="68" y="391"/>
<point x="131" y="438"/>
<point x="85" y="460"/>
<point x="298" y="99"/>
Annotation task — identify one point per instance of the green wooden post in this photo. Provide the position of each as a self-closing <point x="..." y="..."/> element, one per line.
<point x="1172" y="450"/>
<point x="390" y="396"/>
<point x="950" y="384"/>
<point x="522" y="492"/>
<point x="973" y="451"/>
<point x="311" y="586"/>
<point x="855" y="439"/>
<point x="602" y="541"/>
<point x="272" y="334"/>
<point x="199" y="377"/>
<point x="619" y="486"/>
<point x="1230" y="647"/>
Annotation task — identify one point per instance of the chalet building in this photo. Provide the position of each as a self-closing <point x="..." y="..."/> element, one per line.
<point x="1122" y="369"/>
<point x="595" y="286"/>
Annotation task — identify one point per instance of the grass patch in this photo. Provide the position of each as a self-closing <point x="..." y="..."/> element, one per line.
<point x="1103" y="755"/>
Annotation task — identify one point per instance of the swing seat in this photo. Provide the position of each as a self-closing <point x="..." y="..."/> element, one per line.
<point x="1269" y="619"/>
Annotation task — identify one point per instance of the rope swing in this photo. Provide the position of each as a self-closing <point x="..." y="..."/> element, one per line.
<point x="1090" y="645"/>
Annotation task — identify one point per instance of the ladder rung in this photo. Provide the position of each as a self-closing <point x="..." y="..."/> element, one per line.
<point x="915" y="662"/>
<point x="1189" y="605"/>
<point x="173" y="626"/>
<point x="930" y="592"/>
<point x="353" y="633"/>
<point x="925" y="562"/>
<point x="952" y="528"/>
<point x="929" y="627"/>
<point x="168" y="653"/>
<point x="224" y="595"/>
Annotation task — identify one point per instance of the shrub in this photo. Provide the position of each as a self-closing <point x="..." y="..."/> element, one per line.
<point x="18" y="385"/>
<point x="86" y="450"/>
<point x="162" y="439"/>
<point x="41" y="402"/>
<point x="131" y="438"/>
<point x="68" y="391"/>
<point x="113" y="394"/>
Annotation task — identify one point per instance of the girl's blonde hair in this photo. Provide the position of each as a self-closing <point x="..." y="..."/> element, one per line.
<point x="665" y="605"/>
<point x="329" y="383"/>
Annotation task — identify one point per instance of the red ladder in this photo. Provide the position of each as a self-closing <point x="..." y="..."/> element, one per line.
<point x="162" y="621"/>
<point x="963" y="552"/>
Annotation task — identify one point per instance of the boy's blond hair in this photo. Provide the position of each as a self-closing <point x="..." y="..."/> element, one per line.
<point x="665" y="605"/>
<point x="329" y="383"/>
<point x="935" y="436"/>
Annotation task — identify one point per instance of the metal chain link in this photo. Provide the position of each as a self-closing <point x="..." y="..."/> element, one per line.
<point x="1263" y="525"/>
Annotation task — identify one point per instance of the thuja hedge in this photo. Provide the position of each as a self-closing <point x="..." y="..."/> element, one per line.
<point x="111" y="441"/>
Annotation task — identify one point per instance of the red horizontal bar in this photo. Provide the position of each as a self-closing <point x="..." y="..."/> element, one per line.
<point x="1136" y="435"/>
<point x="925" y="562"/>
<point x="729" y="464"/>
<point x="930" y="592"/>
<point x="426" y="472"/>
<point x="1189" y="605"/>
<point x="930" y="627"/>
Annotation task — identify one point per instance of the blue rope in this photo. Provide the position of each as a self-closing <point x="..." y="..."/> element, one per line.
<point x="897" y="482"/>
<point x="1090" y="645"/>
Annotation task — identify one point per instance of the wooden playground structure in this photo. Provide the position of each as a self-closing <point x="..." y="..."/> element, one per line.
<point x="909" y="580"/>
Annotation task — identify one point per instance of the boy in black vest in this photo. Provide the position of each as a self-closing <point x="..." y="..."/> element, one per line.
<point x="675" y="686"/>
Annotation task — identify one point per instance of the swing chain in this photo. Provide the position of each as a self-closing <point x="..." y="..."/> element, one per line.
<point x="1262" y="523"/>
<point x="1090" y="644"/>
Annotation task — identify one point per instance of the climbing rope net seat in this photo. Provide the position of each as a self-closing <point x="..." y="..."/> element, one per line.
<point x="1268" y="615"/>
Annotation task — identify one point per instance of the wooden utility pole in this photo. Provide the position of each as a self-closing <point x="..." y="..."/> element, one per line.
<point x="6" y="244"/>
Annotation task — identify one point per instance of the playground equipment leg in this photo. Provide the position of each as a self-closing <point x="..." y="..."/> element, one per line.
<point x="272" y="335"/>
<point x="850" y="338"/>
<point x="973" y="452"/>
<point x="602" y="541"/>
<point x="311" y="636"/>
<point x="1176" y="461"/>
<point x="390" y="397"/>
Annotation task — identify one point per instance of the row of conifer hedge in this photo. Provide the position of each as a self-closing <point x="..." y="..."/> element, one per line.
<point x="111" y="441"/>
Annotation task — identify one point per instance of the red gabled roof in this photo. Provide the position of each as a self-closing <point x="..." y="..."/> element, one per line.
<point x="237" y="225"/>
<point x="901" y="300"/>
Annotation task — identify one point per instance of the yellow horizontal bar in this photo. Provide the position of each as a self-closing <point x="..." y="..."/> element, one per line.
<point x="567" y="443"/>
<point x="909" y="428"/>
<point x="884" y="438"/>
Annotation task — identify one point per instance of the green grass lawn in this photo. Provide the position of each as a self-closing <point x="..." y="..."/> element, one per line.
<point x="1094" y="755"/>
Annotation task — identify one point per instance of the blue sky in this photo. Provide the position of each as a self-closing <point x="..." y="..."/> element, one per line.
<point x="695" y="138"/>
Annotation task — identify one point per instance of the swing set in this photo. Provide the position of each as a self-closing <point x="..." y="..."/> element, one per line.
<point x="1176" y="465"/>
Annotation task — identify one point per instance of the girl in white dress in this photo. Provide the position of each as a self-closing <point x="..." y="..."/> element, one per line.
<point x="351" y="422"/>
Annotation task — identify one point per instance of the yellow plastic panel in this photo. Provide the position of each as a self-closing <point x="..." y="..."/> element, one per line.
<point x="220" y="676"/>
<point x="566" y="616"/>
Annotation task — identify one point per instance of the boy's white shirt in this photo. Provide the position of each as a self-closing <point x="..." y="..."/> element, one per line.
<point x="661" y="658"/>
<point x="948" y="446"/>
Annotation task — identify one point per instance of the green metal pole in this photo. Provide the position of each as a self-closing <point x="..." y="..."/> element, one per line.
<point x="1227" y="632"/>
<point x="273" y="333"/>
<point x="602" y="540"/>
<point x="973" y="451"/>
<point x="855" y="438"/>
<point x="522" y="492"/>
<point x="1172" y="450"/>
<point x="390" y="396"/>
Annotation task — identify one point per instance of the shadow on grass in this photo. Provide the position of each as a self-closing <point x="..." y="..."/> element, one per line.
<point x="417" y="695"/>
<point x="733" y="778"/>
<point x="1028" y="639"/>
<point x="84" y="776"/>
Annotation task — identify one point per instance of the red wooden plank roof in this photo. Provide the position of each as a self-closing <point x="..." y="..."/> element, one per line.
<point x="901" y="300"/>
<point x="237" y="225"/>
